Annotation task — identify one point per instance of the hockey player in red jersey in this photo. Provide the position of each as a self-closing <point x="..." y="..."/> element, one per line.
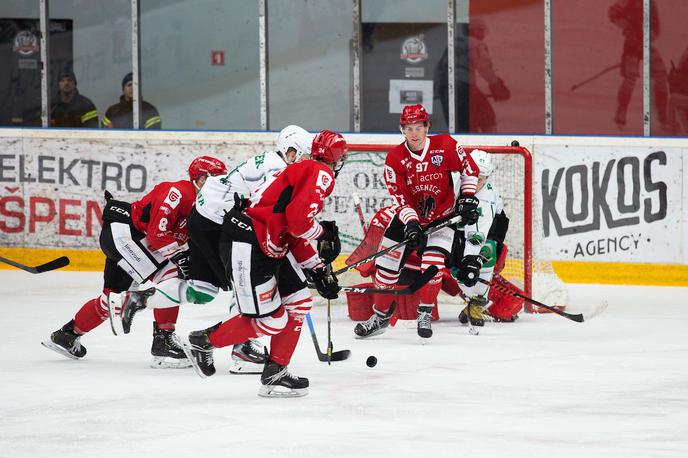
<point x="418" y="174"/>
<point x="142" y="241"/>
<point x="269" y="252"/>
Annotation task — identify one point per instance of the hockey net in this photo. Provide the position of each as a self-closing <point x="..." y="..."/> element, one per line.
<point x="528" y="265"/>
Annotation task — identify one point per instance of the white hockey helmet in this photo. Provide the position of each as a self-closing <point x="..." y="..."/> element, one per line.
<point x="484" y="162"/>
<point x="295" y="137"/>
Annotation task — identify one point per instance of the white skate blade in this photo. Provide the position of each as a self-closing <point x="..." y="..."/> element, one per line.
<point x="240" y="367"/>
<point x="114" y="304"/>
<point x="372" y="334"/>
<point x="187" y="351"/>
<point x="165" y="362"/>
<point x="277" y="391"/>
<point x="423" y="340"/>
<point x="473" y="331"/>
<point x="57" y="349"/>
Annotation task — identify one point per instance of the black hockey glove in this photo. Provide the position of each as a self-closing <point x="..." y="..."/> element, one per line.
<point x="182" y="260"/>
<point x="240" y="203"/>
<point x="324" y="282"/>
<point x="467" y="208"/>
<point x="414" y="234"/>
<point x="469" y="269"/>
<point x="329" y="245"/>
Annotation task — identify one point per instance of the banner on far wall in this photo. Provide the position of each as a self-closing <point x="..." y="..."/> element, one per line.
<point x="52" y="190"/>
<point x="600" y="200"/>
<point x="611" y="204"/>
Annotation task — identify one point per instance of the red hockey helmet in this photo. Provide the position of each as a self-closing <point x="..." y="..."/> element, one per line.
<point x="204" y="166"/>
<point x="412" y="114"/>
<point x="329" y="147"/>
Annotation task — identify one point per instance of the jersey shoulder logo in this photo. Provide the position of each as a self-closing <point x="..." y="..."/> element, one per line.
<point x="174" y="196"/>
<point x="324" y="180"/>
<point x="390" y="176"/>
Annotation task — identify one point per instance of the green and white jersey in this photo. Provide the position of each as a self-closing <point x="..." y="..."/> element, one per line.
<point x="217" y="195"/>
<point x="490" y="205"/>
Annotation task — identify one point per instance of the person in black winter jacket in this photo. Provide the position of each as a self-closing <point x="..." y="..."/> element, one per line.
<point x="71" y="108"/>
<point x="121" y="115"/>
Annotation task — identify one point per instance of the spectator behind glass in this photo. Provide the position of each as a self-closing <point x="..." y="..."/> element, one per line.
<point x="121" y="115"/>
<point x="71" y="108"/>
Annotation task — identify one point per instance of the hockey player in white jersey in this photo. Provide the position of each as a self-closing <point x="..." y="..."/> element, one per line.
<point x="217" y="195"/>
<point x="207" y="273"/>
<point x="483" y="242"/>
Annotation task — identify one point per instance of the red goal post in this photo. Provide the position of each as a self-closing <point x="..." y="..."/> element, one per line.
<point x="513" y="178"/>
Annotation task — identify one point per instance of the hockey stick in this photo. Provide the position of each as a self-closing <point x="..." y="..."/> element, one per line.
<point x="329" y="355"/>
<point x="417" y="284"/>
<point x="578" y="318"/>
<point x="595" y="76"/>
<point x="340" y="355"/>
<point x="439" y="224"/>
<point x="330" y="347"/>
<point x="357" y="206"/>
<point x="48" y="266"/>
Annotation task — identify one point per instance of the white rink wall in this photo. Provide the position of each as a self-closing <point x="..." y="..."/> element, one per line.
<point x="597" y="199"/>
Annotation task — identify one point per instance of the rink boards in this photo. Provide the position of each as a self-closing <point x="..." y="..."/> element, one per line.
<point x="606" y="209"/>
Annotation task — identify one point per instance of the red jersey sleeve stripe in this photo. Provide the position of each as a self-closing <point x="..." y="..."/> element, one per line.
<point x="469" y="184"/>
<point x="407" y="214"/>
<point x="313" y="233"/>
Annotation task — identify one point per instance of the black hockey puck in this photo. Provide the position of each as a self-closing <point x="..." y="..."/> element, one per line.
<point x="371" y="361"/>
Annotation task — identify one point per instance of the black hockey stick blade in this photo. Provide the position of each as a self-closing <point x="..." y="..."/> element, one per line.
<point x="340" y="355"/>
<point x="578" y="317"/>
<point x="423" y="279"/>
<point x="48" y="266"/>
<point x="410" y="289"/>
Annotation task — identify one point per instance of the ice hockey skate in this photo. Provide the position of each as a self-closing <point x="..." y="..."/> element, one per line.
<point x="167" y="354"/>
<point x="248" y="358"/>
<point x="373" y="326"/>
<point x="277" y="382"/>
<point x="474" y="311"/>
<point x="424" y="318"/>
<point x="199" y="350"/>
<point x="66" y="342"/>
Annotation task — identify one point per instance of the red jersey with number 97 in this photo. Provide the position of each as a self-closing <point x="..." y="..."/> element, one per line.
<point x="162" y="213"/>
<point x="421" y="183"/>
<point x="284" y="207"/>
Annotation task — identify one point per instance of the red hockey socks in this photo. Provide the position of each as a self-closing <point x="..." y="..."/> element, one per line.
<point x="282" y="345"/>
<point x="384" y="279"/>
<point x="166" y="318"/>
<point x="233" y="331"/>
<point x="429" y="292"/>
<point x="91" y="314"/>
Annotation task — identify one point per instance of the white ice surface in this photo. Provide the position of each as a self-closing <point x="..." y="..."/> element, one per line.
<point x="543" y="386"/>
